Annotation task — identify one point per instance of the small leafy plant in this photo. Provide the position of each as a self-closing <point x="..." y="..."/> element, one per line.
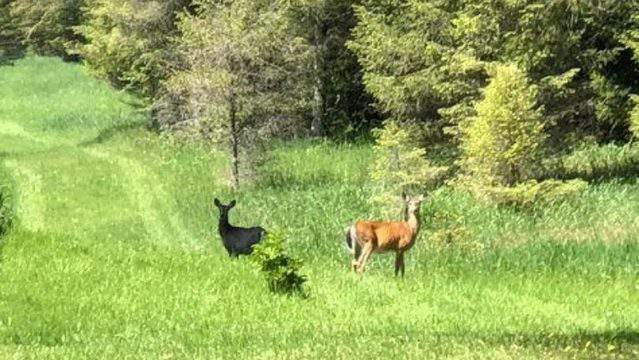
<point x="280" y="270"/>
<point x="6" y="214"/>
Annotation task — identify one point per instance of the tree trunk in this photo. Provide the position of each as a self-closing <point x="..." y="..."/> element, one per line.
<point x="235" y="157"/>
<point x="317" y="125"/>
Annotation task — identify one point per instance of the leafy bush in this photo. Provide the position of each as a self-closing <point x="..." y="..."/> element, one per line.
<point x="400" y="166"/>
<point x="6" y="206"/>
<point x="502" y="144"/>
<point x="280" y="270"/>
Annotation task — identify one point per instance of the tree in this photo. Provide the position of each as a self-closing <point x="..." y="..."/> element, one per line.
<point x="128" y="42"/>
<point x="502" y="144"/>
<point x="425" y="60"/>
<point x="240" y="74"/>
<point x="400" y="168"/>
<point x="46" y="26"/>
<point x="9" y="38"/>
<point x="339" y="101"/>
<point x="634" y="117"/>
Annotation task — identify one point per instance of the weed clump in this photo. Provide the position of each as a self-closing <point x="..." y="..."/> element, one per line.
<point x="6" y="209"/>
<point x="280" y="270"/>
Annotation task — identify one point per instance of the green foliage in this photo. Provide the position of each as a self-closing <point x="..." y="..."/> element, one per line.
<point x="46" y="26"/>
<point x="10" y="44"/>
<point x="631" y="37"/>
<point x="409" y="60"/>
<point x="341" y="107"/>
<point x="6" y="205"/>
<point x="634" y="117"/>
<point x="128" y="42"/>
<point x="531" y="193"/>
<point x="611" y="105"/>
<point x="503" y="143"/>
<point x="400" y="167"/>
<point x="241" y="80"/>
<point x="115" y="254"/>
<point x="426" y="60"/>
<point x="280" y="270"/>
<point x="600" y="162"/>
<point x="451" y="237"/>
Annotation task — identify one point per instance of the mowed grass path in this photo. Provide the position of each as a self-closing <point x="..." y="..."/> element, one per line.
<point x="115" y="252"/>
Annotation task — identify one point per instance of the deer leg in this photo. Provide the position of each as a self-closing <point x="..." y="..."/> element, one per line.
<point x="400" y="257"/>
<point x="366" y="253"/>
<point x="355" y="264"/>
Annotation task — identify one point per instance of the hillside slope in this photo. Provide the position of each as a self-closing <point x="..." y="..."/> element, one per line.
<point x="115" y="253"/>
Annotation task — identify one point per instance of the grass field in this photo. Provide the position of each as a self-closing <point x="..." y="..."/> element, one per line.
<point x="114" y="252"/>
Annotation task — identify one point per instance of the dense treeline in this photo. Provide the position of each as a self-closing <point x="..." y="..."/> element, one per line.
<point x="503" y="83"/>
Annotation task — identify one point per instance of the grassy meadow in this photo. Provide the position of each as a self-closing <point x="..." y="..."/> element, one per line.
<point x="114" y="251"/>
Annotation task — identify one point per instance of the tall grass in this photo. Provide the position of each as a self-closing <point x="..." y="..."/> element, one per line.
<point x="116" y="254"/>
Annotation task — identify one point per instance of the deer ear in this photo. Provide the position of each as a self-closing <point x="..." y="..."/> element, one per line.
<point x="217" y="202"/>
<point x="232" y="204"/>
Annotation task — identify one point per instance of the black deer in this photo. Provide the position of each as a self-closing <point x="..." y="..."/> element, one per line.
<point x="237" y="241"/>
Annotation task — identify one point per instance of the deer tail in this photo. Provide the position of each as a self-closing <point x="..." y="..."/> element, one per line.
<point x="351" y="242"/>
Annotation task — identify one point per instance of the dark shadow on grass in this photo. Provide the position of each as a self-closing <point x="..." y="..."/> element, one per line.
<point x="584" y="343"/>
<point x="109" y="133"/>
<point x="627" y="336"/>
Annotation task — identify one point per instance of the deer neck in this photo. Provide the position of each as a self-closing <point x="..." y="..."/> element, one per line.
<point x="413" y="222"/>
<point x="224" y="223"/>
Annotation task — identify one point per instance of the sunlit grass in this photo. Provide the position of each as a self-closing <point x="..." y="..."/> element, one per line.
<point x="116" y="252"/>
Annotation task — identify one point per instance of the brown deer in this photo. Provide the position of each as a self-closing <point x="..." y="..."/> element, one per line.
<point x="365" y="237"/>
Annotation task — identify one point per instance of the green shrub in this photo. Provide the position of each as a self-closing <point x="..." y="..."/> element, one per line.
<point x="400" y="167"/>
<point x="6" y="205"/>
<point x="280" y="270"/>
<point x="502" y="145"/>
<point x="6" y="215"/>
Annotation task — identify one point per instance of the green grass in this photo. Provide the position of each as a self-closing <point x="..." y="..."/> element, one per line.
<point x="114" y="252"/>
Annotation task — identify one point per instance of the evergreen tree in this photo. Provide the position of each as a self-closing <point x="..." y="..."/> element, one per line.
<point x="425" y="60"/>
<point x="400" y="168"/>
<point x="339" y="101"/>
<point x="46" y="26"/>
<point x="128" y="42"/>
<point x="502" y="144"/>
<point x="241" y="75"/>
